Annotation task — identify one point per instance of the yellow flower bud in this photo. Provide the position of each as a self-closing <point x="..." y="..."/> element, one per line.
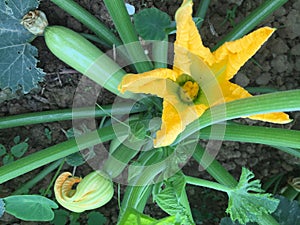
<point x="93" y="191"/>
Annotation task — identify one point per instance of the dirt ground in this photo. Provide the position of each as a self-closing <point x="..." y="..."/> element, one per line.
<point x="276" y="65"/>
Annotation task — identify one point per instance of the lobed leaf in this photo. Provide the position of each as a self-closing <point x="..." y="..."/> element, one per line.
<point x="247" y="202"/>
<point x="17" y="56"/>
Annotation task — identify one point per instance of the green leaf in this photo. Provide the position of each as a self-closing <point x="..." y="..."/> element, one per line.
<point x="96" y="218"/>
<point x="17" y="139"/>
<point x="8" y="159"/>
<point x="60" y="217"/>
<point x="247" y="202"/>
<point x="171" y="198"/>
<point x="75" y="159"/>
<point x="151" y="24"/>
<point x="228" y="221"/>
<point x="30" y="207"/>
<point x="74" y="218"/>
<point x="2" y="207"/>
<point x="288" y="212"/>
<point x="133" y="217"/>
<point x="17" y="57"/>
<point x="170" y="220"/>
<point x="19" y="149"/>
<point x="2" y="150"/>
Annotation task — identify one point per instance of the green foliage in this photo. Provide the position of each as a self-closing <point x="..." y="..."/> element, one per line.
<point x="2" y="207"/>
<point x="228" y="221"/>
<point x="152" y="23"/>
<point x="288" y="212"/>
<point x="133" y="217"/>
<point x="30" y="207"/>
<point x="170" y="198"/>
<point x="17" y="150"/>
<point x="2" y="150"/>
<point x="17" y="56"/>
<point x="48" y="133"/>
<point x="247" y="202"/>
<point x="75" y="159"/>
<point x="96" y="218"/>
<point x="60" y="217"/>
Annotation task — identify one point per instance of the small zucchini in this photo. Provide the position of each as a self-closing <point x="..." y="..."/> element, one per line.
<point x="83" y="56"/>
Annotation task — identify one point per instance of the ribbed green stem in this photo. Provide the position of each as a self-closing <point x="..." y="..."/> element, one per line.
<point x="256" y="134"/>
<point x="68" y="114"/>
<point x="53" y="153"/>
<point x="291" y="151"/>
<point x="273" y="102"/>
<point x="89" y="21"/>
<point x="252" y="20"/>
<point x="125" y="28"/>
<point x="201" y="11"/>
<point x="137" y="194"/>
<point x="268" y="220"/>
<point x="29" y="184"/>
<point x="207" y="184"/>
<point x="160" y="53"/>
<point x="213" y="167"/>
<point x="118" y="160"/>
<point x="290" y="193"/>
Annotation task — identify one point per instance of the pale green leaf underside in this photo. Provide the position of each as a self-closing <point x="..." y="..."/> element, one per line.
<point x="133" y="217"/>
<point x="30" y="207"/>
<point x="247" y="202"/>
<point x="17" y="56"/>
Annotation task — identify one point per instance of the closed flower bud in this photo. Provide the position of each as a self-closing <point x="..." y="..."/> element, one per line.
<point x="93" y="191"/>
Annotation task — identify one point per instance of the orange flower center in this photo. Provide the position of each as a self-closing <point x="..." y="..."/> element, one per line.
<point x="189" y="91"/>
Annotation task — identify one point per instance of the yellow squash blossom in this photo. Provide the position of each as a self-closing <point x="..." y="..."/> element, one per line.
<point x="182" y="87"/>
<point x="93" y="191"/>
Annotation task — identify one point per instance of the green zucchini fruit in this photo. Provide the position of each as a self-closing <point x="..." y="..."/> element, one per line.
<point x="83" y="56"/>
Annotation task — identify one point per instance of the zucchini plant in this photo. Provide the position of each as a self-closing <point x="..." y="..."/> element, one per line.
<point x="174" y="108"/>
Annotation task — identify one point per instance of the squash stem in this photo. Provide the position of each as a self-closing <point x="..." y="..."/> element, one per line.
<point x="252" y="20"/>
<point x="89" y="21"/>
<point x="126" y="30"/>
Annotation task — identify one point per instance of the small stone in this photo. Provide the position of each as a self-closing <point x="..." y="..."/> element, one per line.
<point x="296" y="5"/>
<point x="250" y="149"/>
<point x="279" y="64"/>
<point x="297" y="64"/>
<point x="229" y="166"/>
<point x="280" y="12"/>
<point x="242" y="80"/>
<point x="278" y="46"/>
<point x="295" y="50"/>
<point x="293" y="24"/>
<point x="252" y="162"/>
<point x="241" y="162"/>
<point x="263" y="79"/>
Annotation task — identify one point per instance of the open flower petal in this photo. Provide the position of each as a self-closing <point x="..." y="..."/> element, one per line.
<point x="153" y="82"/>
<point x="276" y="117"/>
<point x="188" y="38"/>
<point x="176" y="116"/>
<point x="231" y="56"/>
<point x="233" y="92"/>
